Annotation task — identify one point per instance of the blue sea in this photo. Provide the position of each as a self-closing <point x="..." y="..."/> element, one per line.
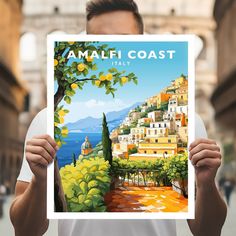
<point x="73" y="145"/>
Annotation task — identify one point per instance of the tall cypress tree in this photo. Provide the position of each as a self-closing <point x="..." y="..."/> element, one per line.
<point x="106" y="141"/>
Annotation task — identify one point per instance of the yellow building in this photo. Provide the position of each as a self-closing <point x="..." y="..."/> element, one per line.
<point x="158" y="100"/>
<point x="151" y="101"/>
<point x="114" y="135"/>
<point x="159" y="147"/>
<point x="145" y="120"/>
<point x="138" y="133"/>
<point x="183" y="133"/>
<point x="182" y="98"/>
<point x="157" y="132"/>
<point x="181" y="92"/>
<point x="122" y="149"/>
<point x="181" y="81"/>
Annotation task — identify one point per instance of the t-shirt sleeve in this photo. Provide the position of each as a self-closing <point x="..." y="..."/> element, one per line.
<point x="37" y="127"/>
<point x="200" y="129"/>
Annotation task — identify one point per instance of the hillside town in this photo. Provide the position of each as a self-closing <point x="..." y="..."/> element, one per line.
<point x="157" y="128"/>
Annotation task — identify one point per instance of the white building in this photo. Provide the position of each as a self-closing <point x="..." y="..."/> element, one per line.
<point x="182" y="109"/>
<point x="125" y="138"/>
<point x="157" y="132"/>
<point x="164" y="124"/>
<point x="138" y="134"/>
<point x="173" y="103"/>
<point x="155" y="115"/>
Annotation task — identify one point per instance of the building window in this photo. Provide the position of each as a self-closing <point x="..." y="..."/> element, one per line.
<point x="165" y="125"/>
<point x="56" y="10"/>
<point x="159" y="125"/>
<point x="169" y="141"/>
<point x="145" y="152"/>
<point x="156" y="141"/>
<point x="155" y="152"/>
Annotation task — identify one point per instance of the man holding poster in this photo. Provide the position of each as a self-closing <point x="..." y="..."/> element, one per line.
<point x="112" y="17"/>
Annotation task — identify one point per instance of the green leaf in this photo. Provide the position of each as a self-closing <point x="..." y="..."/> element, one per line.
<point x="93" y="191"/>
<point x="85" y="72"/>
<point x="94" y="67"/>
<point x="112" y="70"/>
<point x="83" y="186"/>
<point x="67" y="99"/>
<point x="57" y="130"/>
<point x="135" y="81"/>
<point x="56" y="119"/>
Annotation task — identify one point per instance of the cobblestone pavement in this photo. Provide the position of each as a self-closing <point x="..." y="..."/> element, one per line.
<point x="145" y="199"/>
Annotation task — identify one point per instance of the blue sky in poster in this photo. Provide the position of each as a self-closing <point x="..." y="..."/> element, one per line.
<point x="153" y="75"/>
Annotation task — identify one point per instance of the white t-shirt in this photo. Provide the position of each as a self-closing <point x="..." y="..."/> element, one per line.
<point x="104" y="227"/>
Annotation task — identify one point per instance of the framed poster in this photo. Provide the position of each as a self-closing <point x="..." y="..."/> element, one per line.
<point x="121" y="109"/>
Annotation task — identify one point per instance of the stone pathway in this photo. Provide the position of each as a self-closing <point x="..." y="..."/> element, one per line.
<point x="145" y="199"/>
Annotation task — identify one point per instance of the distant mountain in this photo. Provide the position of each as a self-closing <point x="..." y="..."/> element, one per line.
<point x="94" y="125"/>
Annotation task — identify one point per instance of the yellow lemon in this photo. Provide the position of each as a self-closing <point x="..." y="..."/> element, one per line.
<point x="102" y="77"/>
<point x="74" y="86"/>
<point x="109" y="77"/>
<point x="71" y="43"/>
<point x="59" y="143"/>
<point x="61" y="119"/>
<point x="64" y="131"/>
<point x="55" y="62"/>
<point x="81" y="67"/>
<point x="61" y="113"/>
<point x="124" y="80"/>
<point x="89" y="59"/>
<point x="97" y="82"/>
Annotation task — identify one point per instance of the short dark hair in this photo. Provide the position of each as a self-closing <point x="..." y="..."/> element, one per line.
<point x="98" y="7"/>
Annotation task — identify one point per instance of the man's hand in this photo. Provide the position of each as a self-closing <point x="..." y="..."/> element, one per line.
<point x="210" y="209"/>
<point x="40" y="152"/>
<point x="30" y="201"/>
<point x="206" y="158"/>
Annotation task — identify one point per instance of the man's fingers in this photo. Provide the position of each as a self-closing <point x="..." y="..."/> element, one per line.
<point x="37" y="159"/>
<point x="49" y="139"/>
<point x="201" y="140"/>
<point x="205" y="154"/>
<point x="203" y="146"/>
<point x="39" y="151"/>
<point x="209" y="162"/>
<point x="43" y="143"/>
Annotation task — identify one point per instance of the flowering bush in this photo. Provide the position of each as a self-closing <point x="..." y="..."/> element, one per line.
<point x="85" y="184"/>
<point x="177" y="167"/>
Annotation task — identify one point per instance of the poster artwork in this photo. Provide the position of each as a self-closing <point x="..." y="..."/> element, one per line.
<point x="121" y="109"/>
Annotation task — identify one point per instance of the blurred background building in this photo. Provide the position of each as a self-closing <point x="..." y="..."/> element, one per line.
<point x="12" y="92"/>
<point x="224" y="96"/>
